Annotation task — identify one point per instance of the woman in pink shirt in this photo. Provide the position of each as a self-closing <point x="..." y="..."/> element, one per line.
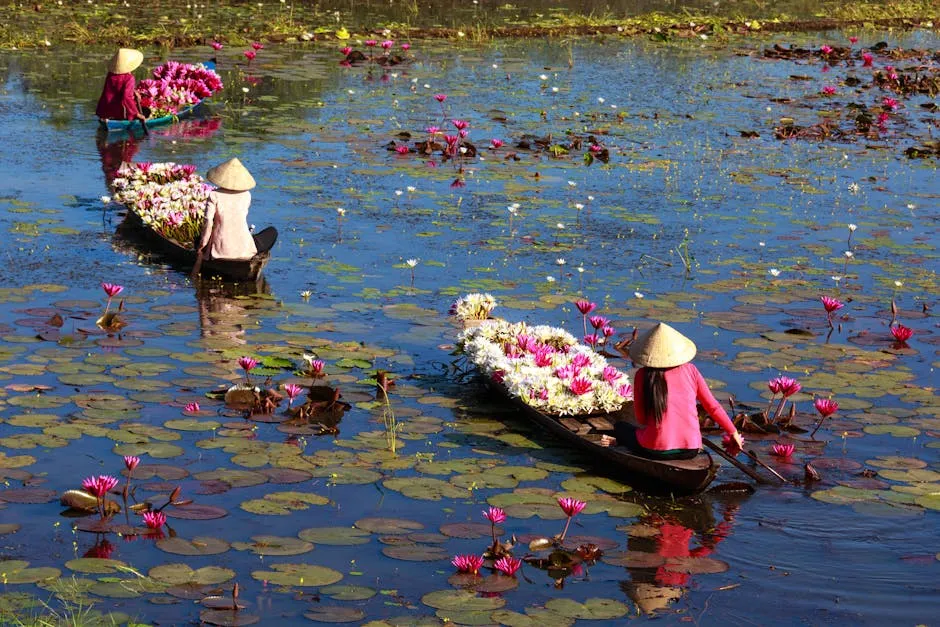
<point x="665" y="391"/>
<point x="119" y="100"/>
<point x="226" y="234"/>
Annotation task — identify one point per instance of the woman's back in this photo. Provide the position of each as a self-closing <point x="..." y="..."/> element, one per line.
<point x="678" y="427"/>
<point x="227" y="216"/>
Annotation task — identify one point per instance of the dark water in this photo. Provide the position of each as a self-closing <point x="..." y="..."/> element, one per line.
<point x="313" y="134"/>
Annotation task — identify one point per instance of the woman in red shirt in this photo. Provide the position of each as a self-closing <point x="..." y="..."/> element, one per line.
<point x="665" y="391"/>
<point x="119" y="99"/>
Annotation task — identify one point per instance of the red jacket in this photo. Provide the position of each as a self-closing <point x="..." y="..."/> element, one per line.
<point x="117" y="98"/>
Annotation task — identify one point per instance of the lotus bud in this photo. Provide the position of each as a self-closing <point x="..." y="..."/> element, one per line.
<point x="811" y="474"/>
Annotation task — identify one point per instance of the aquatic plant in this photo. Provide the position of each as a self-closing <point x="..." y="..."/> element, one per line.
<point x="154" y="520"/>
<point x="474" y="306"/>
<point x="831" y="305"/>
<point x="98" y="486"/>
<point x="541" y="386"/>
<point x="508" y="565"/>
<point x="826" y="407"/>
<point x="469" y="564"/>
<point x="192" y="407"/>
<point x="247" y="364"/>
<point x="571" y="507"/>
<point x="901" y="333"/>
<point x="175" y="86"/>
<point x="782" y="450"/>
<point x="111" y="290"/>
<point x="167" y="197"/>
<point x="293" y="391"/>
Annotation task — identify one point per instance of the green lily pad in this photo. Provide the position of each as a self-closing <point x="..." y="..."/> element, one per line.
<point x="425" y="488"/>
<point x="336" y="536"/>
<point x="592" y="609"/>
<point x="274" y="545"/>
<point x="416" y="553"/>
<point x="179" y="574"/>
<point x="18" y="572"/>
<point x="898" y="431"/>
<point x="283" y="503"/>
<point x="341" y="592"/>
<point x="388" y="526"/>
<point x="461" y="600"/>
<point x="539" y="619"/>
<point x="335" y="614"/>
<point x="94" y="565"/>
<point x="303" y="575"/>
<point x="197" y="546"/>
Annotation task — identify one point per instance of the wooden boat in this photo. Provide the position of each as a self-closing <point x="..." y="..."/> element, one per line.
<point x="678" y="477"/>
<point x="127" y="125"/>
<point x="176" y="253"/>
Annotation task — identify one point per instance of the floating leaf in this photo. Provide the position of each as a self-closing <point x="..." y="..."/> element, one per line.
<point x="462" y="600"/>
<point x="335" y="614"/>
<point x="388" y="526"/>
<point x="179" y="574"/>
<point x="337" y="536"/>
<point x="341" y="592"/>
<point x="592" y="609"/>
<point x="197" y="546"/>
<point x="274" y="545"/>
<point x="416" y="553"/>
<point x="95" y="565"/>
<point x="304" y="575"/>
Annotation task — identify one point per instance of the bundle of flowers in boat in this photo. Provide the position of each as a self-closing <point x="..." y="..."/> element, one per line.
<point x="473" y="306"/>
<point x="167" y="197"/>
<point x="546" y="368"/>
<point x="175" y="86"/>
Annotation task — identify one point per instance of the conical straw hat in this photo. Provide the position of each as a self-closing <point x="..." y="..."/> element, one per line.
<point x="125" y="60"/>
<point x="662" y="347"/>
<point x="231" y="175"/>
<point x="650" y="598"/>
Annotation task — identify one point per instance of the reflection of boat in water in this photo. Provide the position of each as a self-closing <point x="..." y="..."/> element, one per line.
<point x="650" y="475"/>
<point x="132" y="230"/>
<point x="670" y="544"/>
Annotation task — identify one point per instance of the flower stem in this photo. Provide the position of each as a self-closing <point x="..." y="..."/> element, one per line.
<point x="565" y="532"/>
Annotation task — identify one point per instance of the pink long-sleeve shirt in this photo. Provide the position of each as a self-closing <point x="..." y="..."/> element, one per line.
<point x="226" y="230"/>
<point x="679" y="428"/>
<point x="117" y="98"/>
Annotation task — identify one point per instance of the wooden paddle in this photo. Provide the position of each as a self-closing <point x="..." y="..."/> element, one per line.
<point x="750" y="472"/>
<point x="766" y="467"/>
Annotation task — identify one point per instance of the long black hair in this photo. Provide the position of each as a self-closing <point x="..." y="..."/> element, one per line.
<point x="655" y="393"/>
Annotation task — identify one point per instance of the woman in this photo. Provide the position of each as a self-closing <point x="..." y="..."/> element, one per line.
<point x="665" y="390"/>
<point x="226" y="234"/>
<point x="119" y="99"/>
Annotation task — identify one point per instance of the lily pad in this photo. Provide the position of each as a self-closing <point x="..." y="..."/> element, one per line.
<point x="592" y="609"/>
<point x="179" y="574"/>
<point x="336" y="536"/>
<point x="274" y="545"/>
<point x="416" y="553"/>
<point x="303" y="575"/>
<point x="388" y="526"/>
<point x="462" y="600"/>
<point x="335" y="614"/>
<point x="197" y="546"/>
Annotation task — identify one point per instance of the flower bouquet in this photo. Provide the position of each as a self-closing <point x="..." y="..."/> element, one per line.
<point x="176" y="86"/>
<point x="168" y="198"/>
<point x="546" y="368"/>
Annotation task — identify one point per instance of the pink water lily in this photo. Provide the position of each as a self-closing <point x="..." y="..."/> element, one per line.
<point x="469" y="564"/>
<point x="131" y="462"/>
<point x="247" y="363"/>
<point x="192" y="407"/>
<point x="831" y="306"/>
<point x="580" y="385"/>
<point x="598" y="321"/>
<point x="543" y="356"/>
<point x="257" y="45"/>
<point x="496" y="143"/>
<point x="440" y="97"/>
<point x="611" y="374"/>
<point x="580" y="361"/>
<point x="782" y="450"/>
<point x="853" y="39"/>
<point x="100" y="485"/>
<point x="495" y="515"/>
<point x="155" y="520"/>
<point x="460" y="124"/>
<point x="112" y="289"/>
<point x="216" y="45"/>
<point x="867" y="59"/>
<point x="890" y="103"/>
<point x="901" y="333"/>
<point x="825" y="49"/>
<point x="293" y="391"/>
<point x="828" y="90"/>
<point x="826" y="407"/>
<point x="566" y="372"/>
<point x="625" y="391"/>
<point x="346" y="50"/>
<point x="250" y="55"/>
<point x="571" y="507"/>
<point x="402" y="149"/>
<point x="508" y="565"/>
<point x="371" y="43"/>
<point x="585" y="306"/>
<point x="387" y="44"/>
<point x="406" y="47"/>
<point x="789" y="387"/>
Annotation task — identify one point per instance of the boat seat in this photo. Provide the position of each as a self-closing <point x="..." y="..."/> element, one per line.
<point x="600" y="423"/>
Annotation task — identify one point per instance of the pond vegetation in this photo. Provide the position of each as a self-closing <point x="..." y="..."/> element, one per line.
<point x="305" y="447"/>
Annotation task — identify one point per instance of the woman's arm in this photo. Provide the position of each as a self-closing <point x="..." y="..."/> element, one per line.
<point x="210" y="223"/>
<point x="708" y="401"/>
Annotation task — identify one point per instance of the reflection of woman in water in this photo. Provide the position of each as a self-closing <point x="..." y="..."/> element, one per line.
<point x="222" y="315"/>
<point x="115" y="153"/>
<point x="669" y="539"/>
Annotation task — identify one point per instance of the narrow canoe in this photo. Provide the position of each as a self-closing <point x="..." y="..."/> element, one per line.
<point x="124" y="125"/>
<point x="679" y="477"/>
<point x="227" y="269"/>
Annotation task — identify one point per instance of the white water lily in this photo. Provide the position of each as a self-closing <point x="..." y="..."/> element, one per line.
<point x="852" y="227"/>
<point x="305" y="294"/>
<point x="340" y="211"/>
<point x="543" y="77"/>
<point x="836" y="278"/>
<point x="560" y="225"/>
<point x="572" y="184"/>
<point x="105" y="200"/>
<point x="560" y="261"/>
<point x="898" y="284"/>
<point x="473" y="306"/>
<point x="578" y="206"/>
<point x="774" y="272"/>
<point x="540" y="386"/>
<point x="411" y="188"/>
<point x="639" y="294"/>
<point x="550" y="279"/>
<point x="411" y="263"/>
<point x="854" y="188"/>
<point x="849" y="254"/>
